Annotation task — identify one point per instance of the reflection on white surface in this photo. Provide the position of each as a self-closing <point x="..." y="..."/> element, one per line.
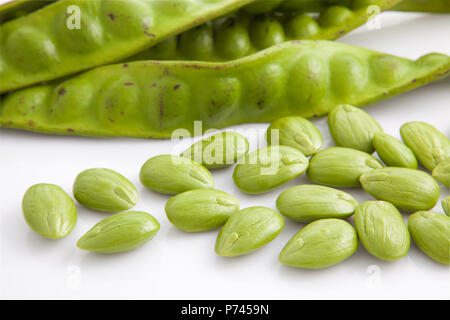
<point x="180" y="265"/>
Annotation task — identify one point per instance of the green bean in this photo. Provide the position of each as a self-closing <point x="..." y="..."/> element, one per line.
<point x="50" y="44"/>
<point x="242" y="34"/>
<point x="153" y="98"/>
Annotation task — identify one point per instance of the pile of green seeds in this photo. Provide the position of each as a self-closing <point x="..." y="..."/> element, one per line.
<point x="327" y="239"/>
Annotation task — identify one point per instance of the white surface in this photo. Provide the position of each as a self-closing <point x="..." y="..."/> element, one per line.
<point x="177" y="265"/>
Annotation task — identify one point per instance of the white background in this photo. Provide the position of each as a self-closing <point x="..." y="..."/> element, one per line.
<point x="178" y="265"/>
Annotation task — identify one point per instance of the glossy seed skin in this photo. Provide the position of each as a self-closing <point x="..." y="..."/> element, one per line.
<point x="104" y="190"/>
<point x="201" y="209"/>
<point x="428" y="144"/>
<point x="320" y="244"/>
<point x="353" y="128"/>
<point x="340" y="167"/>
<point x="49" y="211"/>
<point x="172" y="175"/>
<point x="295" y="132"/>
<point x="442" y="172"/>
<point x="430" y="232"/>
<point x="123" y="231"/>
<point x="47" y="44"/>
<point x="446" y="205"/>
<point x="382" y="230"/>
<point x="306" y="203"/>
<point x="247" y="230"/>
<point x="267" y="168"/>
<point x="219" y="150"/>
<point x="155" y="99"/>
<point x="392" y="152"/>
<point x="407" y="189"/>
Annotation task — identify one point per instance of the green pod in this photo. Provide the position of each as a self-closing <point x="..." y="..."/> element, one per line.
<point x="49" y="211"/>
<point x="430" y="232"/>
<point x="353" y="128"/>
<point x="201" y="209"/>
<point x="262" y="25"/>
<point x="67" y="37"/>
<point x="435" y="6"/>
<point x="341" y="167"/>
<point x="123" y="231"/>
<point x="306" y="203"/>
<point x="446" y="205"/>
<point x="393" y="152"/>
<point x="408" y="189"/>
<point x="382" y="230"/>
<point x="248" y="230"/>
<point x="218" y="151"/>
<point x="172" y="175"/>
<point x="295" y="132"/>
<point x="442" y="172"/>
<point x="428" y="144"/>
<point x="267" y="168"/>
<point x="159" y="98"/>
<point x="104" y="190"/>
<point x="14" y="9"/>
<point x="320" y="244"/>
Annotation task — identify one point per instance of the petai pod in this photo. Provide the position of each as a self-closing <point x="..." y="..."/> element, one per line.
<point x="123" y="231"/>
<point x="341" y="167"/>
<point x="408" y="189"/>
<point x="393" y="152"/>
<point x="247" y="230"/>
<point x="249" y="31"/>
<point x="428" y="144"/>
<point x="267" y="168"/>
<point x="353" y="128"/>
<point x="382" y="230"/>
<point x="154" y="98"/>
<point x="446" y="205"/>
<point x="49" y="211"/>
<point x="305" y="203"/>
<point x="104" y="190"/>
<point x="320" y="244"/>
<point x="201" y="209"/>
<point x="430" y="232"/>
<point x="296" y="132"/>
<point x="13" y="9"/>
<point x="442" y="172"/>
<point x="218" y="150"/>
<point x="172" y="174"/>
<point x="70" y="36"/>
<point x="435" y="6"/>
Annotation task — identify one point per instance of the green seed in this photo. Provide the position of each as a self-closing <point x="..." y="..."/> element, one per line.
<point x="311" y="202"/>
<point x="201" y="209"/>
<point x="446" y="205"/>
<point x="430" y="232"/>
<point x="341" y="167"/>
<point x="295" y="132"/>
<point x="248" y="230"/>
<point x="320" y="244"/>
<point x="442" y="172"/>
<point x="49" y="211"/>
<point x="393" y="152"/>
<point x="382" y="230"/>
<point x="120" y="232"/>
<point x="219" y="150"/>
<point x="353" y="128"/>
<point x="267" y="168"/>
<point x="172" y="175"/>
<point x="408" y="189"/>
<point x="104" y="190"/>
<point x="428" y="144"/>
